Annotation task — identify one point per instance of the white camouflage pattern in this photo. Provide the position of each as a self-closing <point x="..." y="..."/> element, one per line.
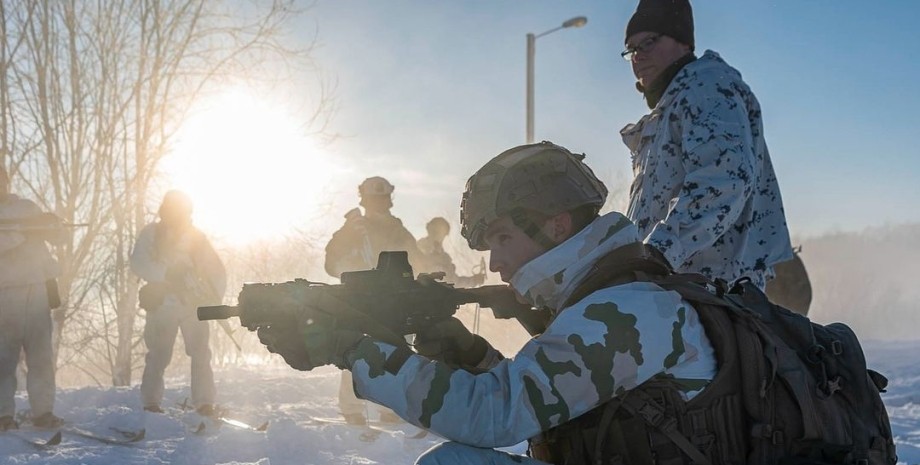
<point x="609" y="342"/>
<point x="704" y="191"/>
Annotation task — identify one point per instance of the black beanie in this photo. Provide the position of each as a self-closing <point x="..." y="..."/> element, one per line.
<point x="673" y="18"/>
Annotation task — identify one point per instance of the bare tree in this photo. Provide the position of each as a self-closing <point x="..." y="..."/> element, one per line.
<point x="91" y="95"/>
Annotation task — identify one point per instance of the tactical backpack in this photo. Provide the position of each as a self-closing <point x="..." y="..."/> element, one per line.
<point x="788" y="391"/>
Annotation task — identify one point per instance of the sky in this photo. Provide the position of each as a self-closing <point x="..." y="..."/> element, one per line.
<point x="428" y="91"/>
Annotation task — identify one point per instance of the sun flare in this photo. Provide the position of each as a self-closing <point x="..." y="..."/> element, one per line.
<point x="249" y="168"/>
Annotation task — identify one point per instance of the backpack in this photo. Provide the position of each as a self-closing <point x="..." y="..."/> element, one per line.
<point x="788" y="391"/>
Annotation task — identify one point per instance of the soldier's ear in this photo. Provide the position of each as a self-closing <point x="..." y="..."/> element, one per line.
<point x="560" y="227"/>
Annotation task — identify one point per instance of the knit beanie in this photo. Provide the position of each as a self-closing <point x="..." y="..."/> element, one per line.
<point x="673" y="18"/>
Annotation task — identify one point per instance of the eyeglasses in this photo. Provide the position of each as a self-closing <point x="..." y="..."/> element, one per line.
<point x="642" y="47"/>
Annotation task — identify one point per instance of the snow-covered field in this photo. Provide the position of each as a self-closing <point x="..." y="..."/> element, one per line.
<point x="288" y="399"/>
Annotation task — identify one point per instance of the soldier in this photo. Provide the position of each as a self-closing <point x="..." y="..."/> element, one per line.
<point x="544" y="243"/>
<point x="704" y="193"/>
<point x="355" y="246"/>
<point x="28" y="292"/>
<point x="182" y="272"/>
<point x="438" y="260"/>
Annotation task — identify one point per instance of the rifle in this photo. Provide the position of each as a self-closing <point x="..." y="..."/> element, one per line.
<point x="41" y="222"/>
<point x="386" y="302"/>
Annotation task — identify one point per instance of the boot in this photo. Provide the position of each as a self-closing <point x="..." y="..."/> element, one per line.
<point x="355" y="419"/>
<point x="7" y="423"/>
<point x="153" y="409"/>
<point x="208" y="410"/>
<point x="47" y="420"/>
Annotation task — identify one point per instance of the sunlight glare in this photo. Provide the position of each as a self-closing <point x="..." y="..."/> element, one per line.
<point x="250" y="169"/>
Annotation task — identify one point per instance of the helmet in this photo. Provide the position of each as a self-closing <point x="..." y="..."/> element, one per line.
<point x="438" y="222"/>
<point x="543" y="177"/>
<point x="176" y="204"/>
<point x="375" y="186"/>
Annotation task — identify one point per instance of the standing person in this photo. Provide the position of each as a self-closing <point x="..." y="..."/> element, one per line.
<point x="28" y="292"/>
<point x="182" y="272"/>
<point x="355" y="246"/>
<point x="438" y="260"/>
<point x="704" y="191"/>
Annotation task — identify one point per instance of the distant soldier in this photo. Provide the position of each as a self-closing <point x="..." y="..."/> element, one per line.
<point x="355" y="246"/>
<point x="182" y="272"/>
<point x="438" y="260"/>
<point x="28" y="292"/>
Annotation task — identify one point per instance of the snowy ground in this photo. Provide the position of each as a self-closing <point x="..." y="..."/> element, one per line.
<point x="288" y="399"/>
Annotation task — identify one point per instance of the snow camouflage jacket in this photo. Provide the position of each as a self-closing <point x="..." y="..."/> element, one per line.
<point x="346" y="249"/>
<point x="611" y="341"/>
<point x="151" y="258"/>
<point x="704" y="191"/>
<point x="24" y="259"/>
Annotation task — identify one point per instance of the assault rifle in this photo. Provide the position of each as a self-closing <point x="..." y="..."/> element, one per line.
<point x="386" y="302"/>
<point x="38" y="223"/>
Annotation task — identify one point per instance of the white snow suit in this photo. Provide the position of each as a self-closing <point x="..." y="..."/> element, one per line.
<point x="26" y="265"/>
<point x="614" y="339"/>
<point x="158" y="252"/>
<point x="704" y="192"/>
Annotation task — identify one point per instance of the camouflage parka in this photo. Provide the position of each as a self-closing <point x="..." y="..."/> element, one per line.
<point x="704" y="191"/>
<point x="358" y="243"/>
<point x="157" y="250"/>
<point x="603" y="345"/>
<point x="24" y="256"/>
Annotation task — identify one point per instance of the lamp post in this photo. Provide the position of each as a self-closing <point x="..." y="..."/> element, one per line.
<point x="577" y="21"/>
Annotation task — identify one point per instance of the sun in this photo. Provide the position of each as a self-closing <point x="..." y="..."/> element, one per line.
<point x="250" y="169"/>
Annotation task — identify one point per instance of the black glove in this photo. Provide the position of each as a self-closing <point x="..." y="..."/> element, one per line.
<point x="449" y="341"/>
<point x="287" y="342"/>
<point x="310" y="344"/>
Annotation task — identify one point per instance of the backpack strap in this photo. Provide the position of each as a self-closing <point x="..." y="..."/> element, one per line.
<point x="640" y="404"/>
<point x="632" y="262"/>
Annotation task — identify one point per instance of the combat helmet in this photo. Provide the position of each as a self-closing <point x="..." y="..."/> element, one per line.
<point x="542" y="177"/>
<point x="175" y="204"/>
<point x="375" y="186"/>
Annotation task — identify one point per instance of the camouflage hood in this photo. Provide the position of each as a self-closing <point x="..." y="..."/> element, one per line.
<point x="549" y="279"/>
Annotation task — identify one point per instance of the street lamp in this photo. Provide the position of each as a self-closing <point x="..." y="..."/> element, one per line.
<point x="577" y="21"/>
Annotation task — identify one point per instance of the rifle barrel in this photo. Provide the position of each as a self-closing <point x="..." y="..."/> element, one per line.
<point x="217" y="312"/>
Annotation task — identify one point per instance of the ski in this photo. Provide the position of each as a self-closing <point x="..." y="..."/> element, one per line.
<point x="38" y="443"/>
<point x="374" y="429"/>
<point x="219" y="417"/>
<point x="242" y="425"/>
<point x="203" y="428"/>
<point x="126" y="437"/>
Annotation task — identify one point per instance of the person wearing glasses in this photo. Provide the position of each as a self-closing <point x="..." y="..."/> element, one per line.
<point x="704" y="192"/>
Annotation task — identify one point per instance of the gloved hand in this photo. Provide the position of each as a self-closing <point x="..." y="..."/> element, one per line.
<point x="310" y="344"/>
<point x="287" y="342"/>
<point x="449" y="341"/>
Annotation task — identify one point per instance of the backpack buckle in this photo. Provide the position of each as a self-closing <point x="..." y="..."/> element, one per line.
<point x="767" y="432"/>
<point x="651" y="414"/>
<point x="836" y="347"/>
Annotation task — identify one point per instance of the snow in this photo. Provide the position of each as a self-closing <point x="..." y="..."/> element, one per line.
<point x="288" y="399"/>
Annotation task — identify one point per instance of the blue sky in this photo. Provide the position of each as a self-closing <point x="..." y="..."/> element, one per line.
<point x="428" y="91"/>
